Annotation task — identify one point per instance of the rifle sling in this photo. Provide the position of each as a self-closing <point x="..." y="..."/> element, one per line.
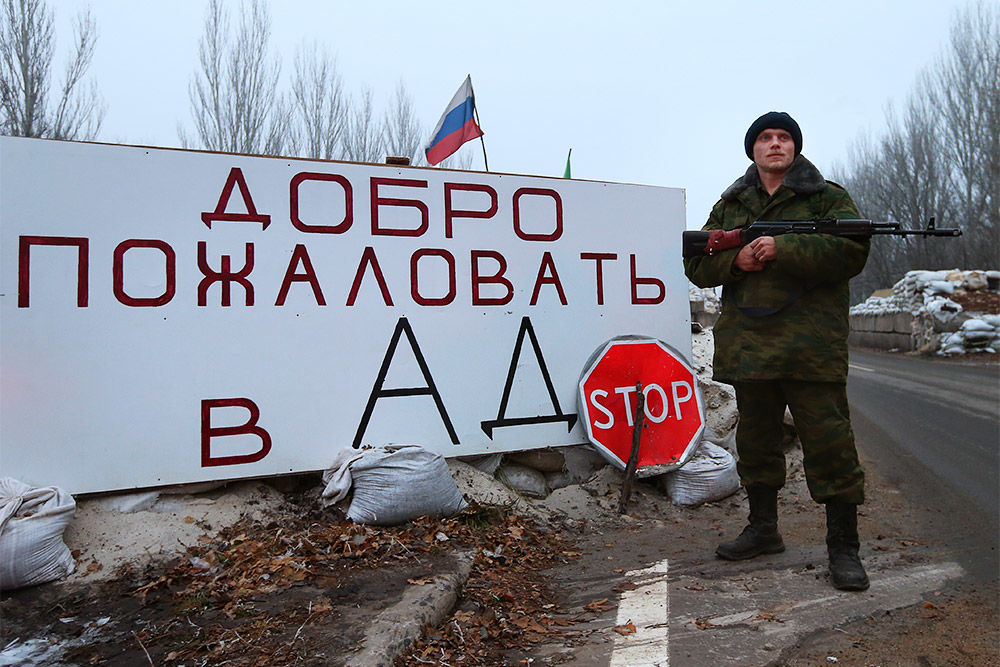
<point x="759" y="311"/>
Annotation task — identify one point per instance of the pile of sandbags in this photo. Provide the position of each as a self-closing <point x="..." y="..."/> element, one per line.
<point x="938" y="323"/>
<point x="979" y="334"/>
<point x="879" y="305"/>
<point x="536" y="473"/>
<point x="918" y="290"/>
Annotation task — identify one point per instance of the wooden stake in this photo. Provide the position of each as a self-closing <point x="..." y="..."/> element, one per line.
<point x="633" y="458"/>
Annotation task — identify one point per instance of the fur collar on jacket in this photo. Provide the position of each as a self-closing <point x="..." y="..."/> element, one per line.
<point x="802" y="177"/>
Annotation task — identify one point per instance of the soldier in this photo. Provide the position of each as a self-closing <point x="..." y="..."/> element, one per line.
<point x="781" y="340"/>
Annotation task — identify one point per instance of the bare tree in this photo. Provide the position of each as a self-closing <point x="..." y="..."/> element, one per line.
<point x="915" y="168"/>
<point x="402" y="133"/>
<point x="319" y="105"/>
<point x="964" y="86"/>
<point x="363" y="136"/>
<point x="940" y="158"/>
<point x="460" y="160"/>
<point x="26" y="51"/>
<point x="235" y="103"/>
<point x="868" y="186"/>
<point x="904" y="178"/>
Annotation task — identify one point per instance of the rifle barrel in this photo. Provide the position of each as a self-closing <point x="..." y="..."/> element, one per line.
<point x="920" y="232"/>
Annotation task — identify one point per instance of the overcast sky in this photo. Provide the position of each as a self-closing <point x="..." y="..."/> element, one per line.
<point x="659" y="93"/>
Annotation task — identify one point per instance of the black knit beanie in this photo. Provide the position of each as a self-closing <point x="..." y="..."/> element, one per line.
<point x="773" y="120"/>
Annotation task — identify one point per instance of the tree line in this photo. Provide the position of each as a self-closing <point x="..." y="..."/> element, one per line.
<point x="938" y="157"/>
<point x="239" y="100"/>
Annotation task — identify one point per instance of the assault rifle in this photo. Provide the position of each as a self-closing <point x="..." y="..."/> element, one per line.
<point x="716" y="240"/>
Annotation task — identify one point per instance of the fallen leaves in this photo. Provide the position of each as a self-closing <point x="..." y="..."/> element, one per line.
<point x="599" y="606"/>
<point x="245" y="596"/>
<point x="703" y="622"/>
<point x="627" y="629"/>
<point x="506" y="605"/>
<point x="529" y="623"/>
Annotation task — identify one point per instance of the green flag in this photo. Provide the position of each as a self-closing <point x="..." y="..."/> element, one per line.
<point x="566" y="174"/>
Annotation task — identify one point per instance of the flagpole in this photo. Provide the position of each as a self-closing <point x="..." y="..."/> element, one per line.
<point x="475" y="110"/>
<point x="479" y="123"/>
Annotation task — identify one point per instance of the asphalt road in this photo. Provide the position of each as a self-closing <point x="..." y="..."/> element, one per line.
<point x="933" y="427"/>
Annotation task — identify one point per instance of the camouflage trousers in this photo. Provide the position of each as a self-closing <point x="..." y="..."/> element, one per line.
<point x="823" y="423"/>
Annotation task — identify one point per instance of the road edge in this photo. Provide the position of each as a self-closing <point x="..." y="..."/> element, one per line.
<point x="398" y="627"/>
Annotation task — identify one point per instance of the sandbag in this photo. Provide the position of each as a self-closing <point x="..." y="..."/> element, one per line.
<point x="579" y="463"/>
<point x="977" y="324"/>
<point x="940" y="287"/>
<point x="32" y="522"/>
<point x="548" y="459"/>
<point x="397" y="483"/>
<point x="975" y="280"/>
<point x="488" y="463"/>
<point x="526" y="481"/>
<point x="709" y="475"/>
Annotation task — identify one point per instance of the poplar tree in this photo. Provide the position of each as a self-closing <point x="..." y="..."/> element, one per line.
<point x="33" y="104"/>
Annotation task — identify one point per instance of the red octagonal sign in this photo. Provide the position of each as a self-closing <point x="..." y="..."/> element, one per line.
<point x="673" y="418"/>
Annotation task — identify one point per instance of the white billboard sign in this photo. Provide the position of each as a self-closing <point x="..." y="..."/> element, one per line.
<point x="173" y="316"/>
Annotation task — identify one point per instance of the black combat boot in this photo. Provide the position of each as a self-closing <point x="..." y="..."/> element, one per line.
<point x="761" y="534"/>
<point x="842" y="544"/>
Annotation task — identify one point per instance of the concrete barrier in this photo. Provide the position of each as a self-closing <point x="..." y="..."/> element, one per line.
<point x="881" y="340"/>
<point x="883" y="332"/>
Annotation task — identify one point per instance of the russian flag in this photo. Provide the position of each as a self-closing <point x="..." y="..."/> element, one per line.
<point x="457" y="125"/>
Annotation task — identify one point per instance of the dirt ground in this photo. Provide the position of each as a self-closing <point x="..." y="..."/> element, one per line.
<point x="300" y="585"/>
<point x="296" y="584"/>
<point x="957" y="625"/>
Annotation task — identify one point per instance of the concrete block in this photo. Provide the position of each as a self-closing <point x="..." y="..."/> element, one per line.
<point x="881" y="340"/>
<point x="902" y="323"/>
<point x="883" y="324"/>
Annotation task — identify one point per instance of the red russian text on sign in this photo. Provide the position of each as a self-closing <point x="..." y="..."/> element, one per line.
<point x="249" y="427"/>
<point x="220" y="214"/>
<point x="224" y="276"/>
<point x="24" y="266"/>
<point x="673" y="413"/>
<point x="170" y="272"/>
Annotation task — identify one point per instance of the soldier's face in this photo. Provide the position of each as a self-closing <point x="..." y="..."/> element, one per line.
<point x="774" y="150"/>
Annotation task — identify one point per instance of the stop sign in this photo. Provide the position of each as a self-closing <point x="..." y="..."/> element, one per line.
<point x="674" y="411"/>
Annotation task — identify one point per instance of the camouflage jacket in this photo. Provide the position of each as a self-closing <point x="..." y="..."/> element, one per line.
<point x="790" y="319"/>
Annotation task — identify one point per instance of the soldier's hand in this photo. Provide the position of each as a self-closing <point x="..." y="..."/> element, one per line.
<point x="764" y="249"/>
<point x="755" y="255"/>
<point x="746" y="260"/>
